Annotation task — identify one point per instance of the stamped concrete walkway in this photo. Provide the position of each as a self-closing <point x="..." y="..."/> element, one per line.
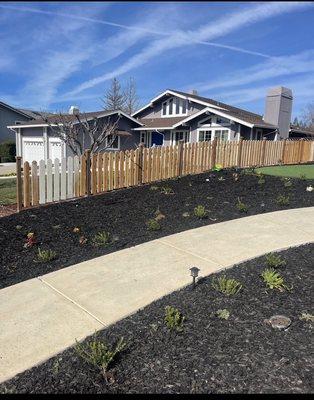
<point x="42" y="316"/>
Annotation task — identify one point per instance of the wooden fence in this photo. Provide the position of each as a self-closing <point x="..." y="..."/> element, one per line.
<point x="56" y="180"/>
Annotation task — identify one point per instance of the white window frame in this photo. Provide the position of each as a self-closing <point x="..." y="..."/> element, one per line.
<point x="112" y="148"/>
<point x="213" y="123"/>
<point x="204" y="130"/>
<point x="175" y="101"/>
<point x="173" y="133"/>
<point x="213" y="130"/>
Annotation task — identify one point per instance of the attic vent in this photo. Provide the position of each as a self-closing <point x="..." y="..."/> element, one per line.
<point x="74" y="110"/>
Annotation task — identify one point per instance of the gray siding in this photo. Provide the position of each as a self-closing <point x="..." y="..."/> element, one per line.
<point x="8" y="117"/>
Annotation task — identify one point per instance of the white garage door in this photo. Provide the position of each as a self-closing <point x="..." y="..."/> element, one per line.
<point x="33" y="149"/>
<point x="55" y="149"/>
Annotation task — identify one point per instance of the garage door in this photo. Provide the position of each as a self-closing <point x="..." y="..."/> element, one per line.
<point x="55" y="149"/>
<point x="33" y="149"/>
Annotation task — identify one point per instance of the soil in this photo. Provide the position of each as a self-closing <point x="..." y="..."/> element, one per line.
<point x="241" y="354"/>
<point x="124" y="214"/>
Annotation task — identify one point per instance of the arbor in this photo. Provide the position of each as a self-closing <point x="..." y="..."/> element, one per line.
<point x="114" y="98"/>
<point x="82" y="131"/>
<point x="131" y="101"/>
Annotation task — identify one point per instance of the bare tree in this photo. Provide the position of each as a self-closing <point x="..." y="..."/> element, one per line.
<point x="114" y="97"/>
<point x="308" y="116"/>
<point x="74" y="129"/>
<point x="131" y="101"/>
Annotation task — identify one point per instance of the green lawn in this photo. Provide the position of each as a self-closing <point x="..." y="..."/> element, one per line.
<point x="7" y="191"/>
<point x="293" y="171"/>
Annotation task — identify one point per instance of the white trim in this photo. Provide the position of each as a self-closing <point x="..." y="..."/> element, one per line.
<point x="174" y="107"/>
<point x="144" y="128"/>
<point x="185" y="131"/>
<point x="113" y="148"/>
<point x="177" y="95"/>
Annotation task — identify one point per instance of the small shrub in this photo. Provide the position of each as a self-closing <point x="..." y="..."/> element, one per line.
<point x="99" y="354"/>
<point x="241" y="206"/>
<point x="101" y="239"/>
<point x="226" y="286"/>
<point x="45" y="255"/>
<point x="174" y="319"/>
<point x="287" y="182"/>
<point x="223" y="314"/>
<point x="303" y="177"/>
<point x="153" y="225"/>
<point x="273" y="279"/>
<point x="154" y="188"/>
<point x="166" y="190"/>
<point x="283" y="200"/>
<point x="30" y="240"/>
<point x="307" y="317"/>
<point x="200" y="212"/>
<point x="274" y="260"/>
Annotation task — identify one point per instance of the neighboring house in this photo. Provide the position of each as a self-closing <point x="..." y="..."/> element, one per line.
<point x="36" y="141"/>
<point x="10" y="116"/>
<point x="175" y="115"/>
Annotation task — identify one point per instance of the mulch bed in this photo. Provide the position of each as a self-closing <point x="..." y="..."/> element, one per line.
<point x="124" y="213"/>
<point x="242" y="354"/>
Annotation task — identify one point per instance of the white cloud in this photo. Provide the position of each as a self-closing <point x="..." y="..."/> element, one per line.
<point x="218" y="28"/>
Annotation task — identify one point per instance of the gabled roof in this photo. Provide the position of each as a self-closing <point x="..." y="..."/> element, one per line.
<point x="306" y="131"/>
<point x="35" y="114"/>
<point x="19" y="111"/>
<point x="55" y="118"/>
<point x="237" y="114"/>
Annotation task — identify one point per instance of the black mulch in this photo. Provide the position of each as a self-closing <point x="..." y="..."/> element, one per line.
<point x="124" y="214"/>
<point x="240" y="355"/>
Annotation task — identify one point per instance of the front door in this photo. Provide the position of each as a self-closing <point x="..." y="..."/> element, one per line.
<point x="157" y="139"/>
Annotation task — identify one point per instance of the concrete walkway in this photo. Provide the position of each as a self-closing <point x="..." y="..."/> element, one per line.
<point x="42" y="316"/>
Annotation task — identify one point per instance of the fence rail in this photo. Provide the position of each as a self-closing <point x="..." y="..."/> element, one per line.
<point x="56" y="180"/>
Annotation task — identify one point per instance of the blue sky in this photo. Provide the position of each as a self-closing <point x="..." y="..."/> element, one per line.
<point x="57" y="54"/>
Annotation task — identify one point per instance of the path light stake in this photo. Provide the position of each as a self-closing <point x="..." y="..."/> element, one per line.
<point x="194" y="274"/>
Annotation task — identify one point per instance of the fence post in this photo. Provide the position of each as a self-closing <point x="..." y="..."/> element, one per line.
<point x="140" y="163"/>
<point x="301" y="150"/>
<point x="263" y="151"/>
<point x="239" y="155"/>
<point x="88" y="173"/>
<point x="283" y="151"/>
<point x="18" y="183"/>
<point x="213" y="153"/>
<point x="180" y="157"/>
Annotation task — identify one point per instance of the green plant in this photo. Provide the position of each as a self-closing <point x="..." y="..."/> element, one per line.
<point x="99" y="354"/>
<point x="7" y="151"/>
<point x="226" y="286"/>
<point x="273" y="279"/>
<point x="217" y="167"/>
<point x="241" y="206"/>
<point x="274" y="260"/>
<point x="303" y="177"/>
<point x="287" y="182"/>
<point x="261" y="179"/>
<point x="283" y="200"/>
<point x="45" y="255"/>
<point x="101" y="239"/>
<point x="200" y="212"/>
<point x="153" y="225"/>
<point x="153" y="188"/>
<point x="167" y="190"/>
<point x="223" y="314"/>
<point x="307" y="317"/>
<point x="174" y="319"/>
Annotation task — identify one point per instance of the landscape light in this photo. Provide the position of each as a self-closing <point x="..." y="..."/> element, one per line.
<point x="194" y="274"/>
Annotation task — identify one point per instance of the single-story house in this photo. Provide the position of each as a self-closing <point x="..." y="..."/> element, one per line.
<point x="35" y="139"/>
<point x="174" y="115"/>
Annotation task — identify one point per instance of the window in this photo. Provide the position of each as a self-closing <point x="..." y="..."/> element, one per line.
<point x="222" y="134"/>
<point x="180" y="135"/>
<point x="170" y="106"/>
<point x="113" y="143"/>
<point x="174" y="106"/>
<point x="205" y="136"/>
<point x="143" y="138"/>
